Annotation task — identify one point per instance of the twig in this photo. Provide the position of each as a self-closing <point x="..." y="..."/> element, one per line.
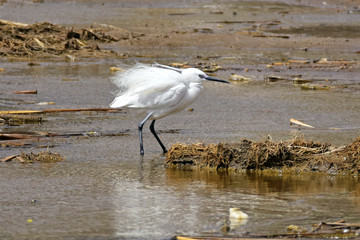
<point x="297" y="122"/>
<point x="60" y="110"/>
<point x="25" y="92"/>
<point x="8" y="158"/>
<point x="17" y="24"/>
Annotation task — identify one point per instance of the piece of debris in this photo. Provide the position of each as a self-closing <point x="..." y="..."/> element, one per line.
<point x="238" y="78"/>
<point x="323" y="230"/>
<point x="274" y="78"/>
<point x="25" y="92"/>
<point x="314" y="87"/>
<point x="116" y="69"/>
<point x="46" y="103"/>
<point x="208" y="67"/>
<point x="299" y="61"/>
<point x="236" y="213"/>
<point x="27" y="138"/>
<point x="47" y="39"/>
<point x="295" y="229"/>
<point x="297" y="122"/>
<point x="237" y="217"/>
<point x="315" y="63"/>
<point x="15" y="119"/>
<point x="44" y="157"/>
<point x="180" y="65"/>
<point x="60" y="110"/>
<point x="302" y="81"/>
<point x="292" y="155"/>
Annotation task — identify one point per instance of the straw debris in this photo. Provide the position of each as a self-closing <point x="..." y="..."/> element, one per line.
<point x="46" y="39"/>
<point x="42" y="157"/>
<point x="12" y="119"/>
<point x="297" y="154"/>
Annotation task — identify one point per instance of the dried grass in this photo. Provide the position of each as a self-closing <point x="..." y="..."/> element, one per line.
<point x="297" y="154"/>
<point x="47" y="39"/>
<point x="44" y="157"/>
<point x="41" y="157"/>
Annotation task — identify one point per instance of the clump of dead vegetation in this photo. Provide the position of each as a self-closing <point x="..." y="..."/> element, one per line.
<point x="297" y="154"/>
<point x="15" y="119"/>
<point x="47" y="39"/>
<point x="41" y="157"/>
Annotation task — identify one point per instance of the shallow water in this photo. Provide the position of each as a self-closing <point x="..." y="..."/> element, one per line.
<point x="110" y="198"/>
<point x="105" y="190"/>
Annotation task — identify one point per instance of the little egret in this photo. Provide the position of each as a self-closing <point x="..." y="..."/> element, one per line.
<point x="157" y="91"/>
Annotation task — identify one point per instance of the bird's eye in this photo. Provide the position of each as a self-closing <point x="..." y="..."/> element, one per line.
<point x="202" y="76"/>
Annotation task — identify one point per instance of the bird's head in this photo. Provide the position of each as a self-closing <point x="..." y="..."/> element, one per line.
<point x="196" y="75"/>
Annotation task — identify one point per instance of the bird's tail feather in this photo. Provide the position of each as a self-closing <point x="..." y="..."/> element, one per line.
<point x="117" y="103"/>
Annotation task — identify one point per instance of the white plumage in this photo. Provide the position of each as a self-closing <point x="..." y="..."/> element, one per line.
<point x="157" y="91"/>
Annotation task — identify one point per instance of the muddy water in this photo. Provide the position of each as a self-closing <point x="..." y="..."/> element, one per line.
<point x="139" y="199"/>
<point x="105" y="190"/>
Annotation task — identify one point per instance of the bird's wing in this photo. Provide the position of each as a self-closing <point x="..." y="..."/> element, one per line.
<point x="166" y="67"/>
<point x="160" y="97"/>
<point x="151" y="98"/>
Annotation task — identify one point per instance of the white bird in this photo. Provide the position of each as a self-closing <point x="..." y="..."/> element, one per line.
<point x="157" y="91"/>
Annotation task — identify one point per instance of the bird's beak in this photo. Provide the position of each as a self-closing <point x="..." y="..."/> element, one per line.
<point x="215" y="79"/>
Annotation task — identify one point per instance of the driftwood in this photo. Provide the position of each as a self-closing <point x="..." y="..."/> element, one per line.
<point x="60" y="110"/>
<point x="17" y="117"/>
<point x="28" y="135"/>
<point x="20" y="139"/>
<point x="25" y="92"/>
<point x="22" y="92"/>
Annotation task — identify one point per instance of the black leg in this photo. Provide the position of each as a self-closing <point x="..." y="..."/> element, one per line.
<point x="152" y="129"/>
<point x="140" y="127"/>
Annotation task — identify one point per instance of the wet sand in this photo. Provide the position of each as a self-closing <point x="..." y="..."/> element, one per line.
<point x="105" y="190"/>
